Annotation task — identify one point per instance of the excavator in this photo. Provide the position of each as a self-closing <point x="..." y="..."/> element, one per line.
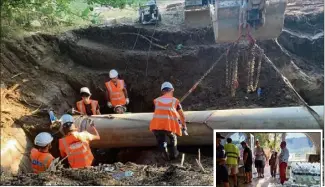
<point x="262" y="19"/>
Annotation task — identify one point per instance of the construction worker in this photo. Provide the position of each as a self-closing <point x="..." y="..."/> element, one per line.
<point x="168" y="120"/>
<point x="75" y="145"/>
<point x="116" y="92"/>
<point x="283" y="161"/>
<point x="40" y="156"/>
<point x="87" y="106"/>
<point x="248" y="162"/>
<point x="233" y="158"/>
<point x="221" y="170"/>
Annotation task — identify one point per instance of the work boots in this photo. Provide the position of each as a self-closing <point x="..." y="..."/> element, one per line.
<point x="174" y="152"/>
<point x="165" y="154"/>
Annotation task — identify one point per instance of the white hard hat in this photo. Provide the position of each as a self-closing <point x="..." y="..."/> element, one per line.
<point x="113" y="73"/>
<point x="85" y="90"/>
<point x="66" y="118"/>
<point x="43" y="139"/>
<point x="167" y="85"/>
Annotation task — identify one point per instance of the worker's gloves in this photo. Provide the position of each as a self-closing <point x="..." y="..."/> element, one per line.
<point x="184" y="131"/>
<point x="109" y="104"/>
<point x="127" y="101"/>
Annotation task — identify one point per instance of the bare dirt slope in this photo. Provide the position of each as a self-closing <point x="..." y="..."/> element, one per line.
<point x="51" y="69"/>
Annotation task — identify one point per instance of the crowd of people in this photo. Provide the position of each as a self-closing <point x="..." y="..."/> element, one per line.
<point x="168" y="121"/>
<point x="228" y="159"/>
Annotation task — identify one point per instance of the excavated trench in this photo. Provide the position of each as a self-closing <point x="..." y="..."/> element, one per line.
<point x="51" y="69"/>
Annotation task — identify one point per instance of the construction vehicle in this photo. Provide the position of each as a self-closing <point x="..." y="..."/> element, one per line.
<point x="262" y="19"/>
<point x="197" y="13"/>
<point x="149" y="13"/>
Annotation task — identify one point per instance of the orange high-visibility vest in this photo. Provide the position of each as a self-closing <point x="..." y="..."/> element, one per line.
<point x="79" y="153"/>
<point x="116" y="94"/>
<point x="165" y="116"/>
<point x="82" y="109"/>
<point x="40" y="161"/>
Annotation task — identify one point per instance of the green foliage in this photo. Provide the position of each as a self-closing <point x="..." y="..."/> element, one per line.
<point x="269" y="140"/>
<point x="50" y="13"/>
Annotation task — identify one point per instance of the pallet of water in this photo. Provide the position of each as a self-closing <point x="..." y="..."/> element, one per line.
<point x="302" y="174"/>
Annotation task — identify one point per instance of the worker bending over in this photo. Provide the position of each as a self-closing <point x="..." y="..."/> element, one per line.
<point x="116" y="91"/>
<point x="233" y="158"/>
<point x="40" y="156"/>
<point x="87" y="106"/>
<point x="168" y="120"/>
<point x="75" y="145"/>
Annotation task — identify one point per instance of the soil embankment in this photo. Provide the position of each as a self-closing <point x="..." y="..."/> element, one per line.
<point x="49" y="71"/>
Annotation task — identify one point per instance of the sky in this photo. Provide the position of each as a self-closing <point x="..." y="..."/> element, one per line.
<point x="295" y="135"/>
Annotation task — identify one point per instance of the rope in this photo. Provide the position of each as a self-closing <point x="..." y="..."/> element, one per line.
<point x="200" y="80"/>
<point x="249" y="37"/>
<point x="287" y="82"/>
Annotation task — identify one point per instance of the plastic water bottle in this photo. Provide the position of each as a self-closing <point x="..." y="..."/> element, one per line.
<point x="128" y="173"/>
<point x="122" y="175"/>
<point x="52" y="116"/>
<point x="259" y="92"/>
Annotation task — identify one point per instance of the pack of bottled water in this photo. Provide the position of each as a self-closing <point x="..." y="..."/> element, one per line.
<point x="305" y="168"/>
<point x="302" y="174"/>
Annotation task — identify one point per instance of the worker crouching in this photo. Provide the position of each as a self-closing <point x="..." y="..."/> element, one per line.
<point x="75" y="145"/>
<point x="87" y="106"/>
<point x="168" y="121"/>
<point x="40" y="156"/>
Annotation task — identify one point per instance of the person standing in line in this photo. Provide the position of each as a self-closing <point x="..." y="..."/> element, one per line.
<point x="233" y="158"/>
<point x="248" y="162"/>
<point x="283" y="161"/>
<point x="273" y="162"/>
<point x="260" y="158"/>
<point x="221" y="170"/>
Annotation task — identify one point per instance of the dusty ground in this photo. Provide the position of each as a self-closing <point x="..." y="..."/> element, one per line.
<point x="149" y="175"/>
<point x="51" y="69"/>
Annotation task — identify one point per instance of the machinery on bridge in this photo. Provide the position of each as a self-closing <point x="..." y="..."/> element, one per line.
<point x="262" y="19"/>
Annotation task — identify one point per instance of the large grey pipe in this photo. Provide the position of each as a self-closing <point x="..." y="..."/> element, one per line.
<point x="132" y="130"/>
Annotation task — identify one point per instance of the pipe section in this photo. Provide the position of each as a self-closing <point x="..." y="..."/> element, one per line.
<point x="132" y="130"/>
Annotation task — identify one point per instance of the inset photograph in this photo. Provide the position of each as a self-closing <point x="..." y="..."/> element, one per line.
<point x="244" y="158"/>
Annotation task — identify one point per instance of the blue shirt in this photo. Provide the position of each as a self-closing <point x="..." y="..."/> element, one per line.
<point x="220" y="152"/>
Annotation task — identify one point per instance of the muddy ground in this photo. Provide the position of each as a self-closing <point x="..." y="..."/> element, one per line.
<point x="143" y="175"/>
<point x="48" y="70"/>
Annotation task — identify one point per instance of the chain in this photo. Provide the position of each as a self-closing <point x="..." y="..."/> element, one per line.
<point x="234" y="80"/>
<point x="249" y="69"/>
<point x="205" y="74"/>
<point x="259" y="65"/>
<point x="251" y="65"/>
<point x="227" y="72"/>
